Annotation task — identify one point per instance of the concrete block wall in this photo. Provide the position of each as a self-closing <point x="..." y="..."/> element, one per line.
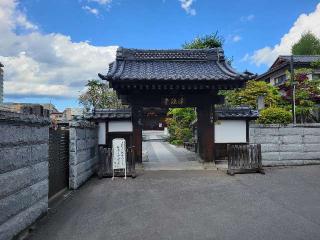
<point x="83" y="158"/>
<point x="287" y="145"/>
<point x="23" y="171"/>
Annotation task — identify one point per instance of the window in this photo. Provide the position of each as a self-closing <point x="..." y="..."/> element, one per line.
<point x="316" y="76"/>
<point x="280" y="80"/>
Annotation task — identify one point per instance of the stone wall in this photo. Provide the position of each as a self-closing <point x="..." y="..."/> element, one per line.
<point x="83" y="158"/>
<point x="23" y="171"/>
<point x="288" y="145"/>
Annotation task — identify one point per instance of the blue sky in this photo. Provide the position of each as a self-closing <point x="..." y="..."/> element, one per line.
<point x="52" y="31"/>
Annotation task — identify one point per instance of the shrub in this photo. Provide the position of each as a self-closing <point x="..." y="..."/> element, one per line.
<point x="275" y="115"/>
<point x="178" y="122"/>
<point x="176" y="142"/>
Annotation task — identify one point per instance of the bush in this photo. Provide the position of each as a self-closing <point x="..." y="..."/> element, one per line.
<point x="176" y="142"/>
<point x="178" y="122"/>
<point x="275" y="115"/>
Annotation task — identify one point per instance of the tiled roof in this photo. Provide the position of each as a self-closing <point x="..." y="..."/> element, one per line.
<point x="237" y="112"/>
<point x="111" y="114"/>
<point x="221" y="113"/>
<point x="195" y="64"/>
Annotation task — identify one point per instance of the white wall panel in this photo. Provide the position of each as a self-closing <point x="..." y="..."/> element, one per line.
<point x="102" y="133"/>
<point x="120" y="126"/>
<point x="230" y="131"/>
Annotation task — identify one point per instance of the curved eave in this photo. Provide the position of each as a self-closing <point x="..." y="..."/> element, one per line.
<point x="127" y="80"/>
<point x="117" y="68"/>
<point x="103" y="77"/>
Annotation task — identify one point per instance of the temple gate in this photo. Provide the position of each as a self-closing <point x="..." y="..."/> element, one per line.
<point x="174" y="78"/>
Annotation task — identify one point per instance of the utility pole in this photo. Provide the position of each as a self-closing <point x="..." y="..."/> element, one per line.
<point x="293" y="91"/>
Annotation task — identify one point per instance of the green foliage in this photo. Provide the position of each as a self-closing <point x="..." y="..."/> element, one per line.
<point x="178" y="121"/>
<point x="176" y="142"/>
<point x="308" y="44"/>
<point x="99" y="95"/>
<point x="249" y="94"/>
<point x="275" y="115"/>
<point x="207" y="41"/>
<point x="307" y="93"/>
<point x="315" y="65"/>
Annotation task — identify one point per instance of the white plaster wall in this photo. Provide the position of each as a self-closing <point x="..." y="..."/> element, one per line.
<point x="230" y="131"/>
<point x="120" y="126"/>
<point x="102" y="133"/>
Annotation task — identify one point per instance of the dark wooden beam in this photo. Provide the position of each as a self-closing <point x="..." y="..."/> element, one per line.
<point x="137" y="114"/>
<point x="247" y="130"/>
<point x="205" y="132"/>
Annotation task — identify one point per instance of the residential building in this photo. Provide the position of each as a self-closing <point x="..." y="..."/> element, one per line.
<point x="277" y="73"/>
<point x="34" y="108"/>
<point x="70" y="113"/>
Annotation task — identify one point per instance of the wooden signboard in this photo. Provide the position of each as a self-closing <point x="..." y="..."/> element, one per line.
<point x="119" y="156"/>
<point x="170" y="101"/>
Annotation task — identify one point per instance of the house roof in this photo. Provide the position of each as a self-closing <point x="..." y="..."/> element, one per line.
<point x="194" y="64"/>
<point x="284" y="61"/>
<point x="103" y="114"/>
<point x="296" y="59"/>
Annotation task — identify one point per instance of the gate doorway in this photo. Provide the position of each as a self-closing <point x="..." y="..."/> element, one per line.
<point x="159" y="154"/>
<point x="174" y="78"/>
<point x="58" y="160"/>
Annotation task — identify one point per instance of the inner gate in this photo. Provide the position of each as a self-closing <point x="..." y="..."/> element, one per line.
<point x="174" y="78"/>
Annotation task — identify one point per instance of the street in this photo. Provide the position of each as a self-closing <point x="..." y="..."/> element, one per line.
<point x="283" y="204"/>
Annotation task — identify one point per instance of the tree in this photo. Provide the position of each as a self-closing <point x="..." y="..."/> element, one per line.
<point x="249" y="94"/>
<point x="307" y="93"/>
<point x="207" y="41"/>
<point x="308" y="44"/>
<point x="99" y="95"/>
<point x="178" y="121"/>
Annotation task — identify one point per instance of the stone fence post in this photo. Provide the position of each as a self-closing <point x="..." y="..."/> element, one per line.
<point x="83" y="152"/>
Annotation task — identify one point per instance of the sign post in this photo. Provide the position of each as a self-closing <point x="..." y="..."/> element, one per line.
<point x="119" y="156"/>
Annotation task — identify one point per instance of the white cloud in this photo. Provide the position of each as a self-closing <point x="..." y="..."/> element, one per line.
<point x="247" y="18"/>
<point x="187" y="6"/>
<point x="304" y="23"/>
<point x="91" y="10"/>
<point x="39" y="64"/>
<point x="236" y="38"/>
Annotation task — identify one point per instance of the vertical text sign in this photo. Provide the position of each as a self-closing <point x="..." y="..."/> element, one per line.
<point x="119" y="153"/>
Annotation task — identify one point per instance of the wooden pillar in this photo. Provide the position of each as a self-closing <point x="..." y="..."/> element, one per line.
<point x="137" y="131"/>
<point x="206" y="132"/>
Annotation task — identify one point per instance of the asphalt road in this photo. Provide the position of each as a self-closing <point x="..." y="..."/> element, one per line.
<point x="283" y="204"/>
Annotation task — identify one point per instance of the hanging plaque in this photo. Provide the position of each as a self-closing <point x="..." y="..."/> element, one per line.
<point x="173" y="101"/>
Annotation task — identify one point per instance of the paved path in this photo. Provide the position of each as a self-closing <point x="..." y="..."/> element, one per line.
<point x="283" y="204"/>
<point x="160" y="155"/>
